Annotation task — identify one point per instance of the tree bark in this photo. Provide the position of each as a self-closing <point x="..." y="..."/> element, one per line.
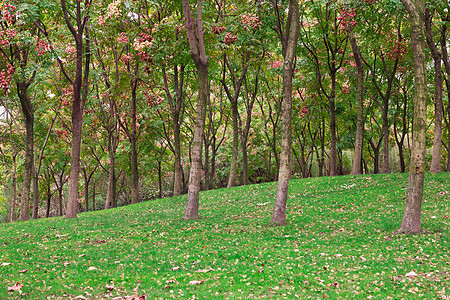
<point x="79" y="85"/>
<point x="27" y="109"/>
<point x="133" y="141"/>
<point x="200" y="59"/>
<point x="285" y="172"/>
<point x="35" y="214"/>
<point x="356" y="167"/>
<point x="411" y="218"/>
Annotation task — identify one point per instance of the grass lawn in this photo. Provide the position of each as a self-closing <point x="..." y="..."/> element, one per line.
<point x="337" y="244"/>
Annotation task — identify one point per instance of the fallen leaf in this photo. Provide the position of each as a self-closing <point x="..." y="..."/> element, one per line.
<point x="92" y="268"/>
<point x="6" y="264"/>
<point x="334" y="284"/>
<point x="80" y="297"/>
<point x="110" y="287"/>
<point x="136" y="297"/>
<point x="196" y="282"/>
<point x="23" y="271"/>
<point x="170" y="281"/>
<point x="16" y="287"/>
<point x="175" y="268"/>
<point x="411" y="274"/>
<point x="204" y="270"/>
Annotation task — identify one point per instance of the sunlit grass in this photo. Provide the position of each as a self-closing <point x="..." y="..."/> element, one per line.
<point x="338" y="243"/>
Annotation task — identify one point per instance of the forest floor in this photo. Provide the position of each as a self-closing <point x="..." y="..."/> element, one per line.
<point x="338" y="244"/>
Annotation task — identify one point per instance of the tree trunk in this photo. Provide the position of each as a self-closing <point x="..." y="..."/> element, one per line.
<point x="160" y="179"/>
<point x="110" y="193"/>
<point x="49" y="199"/>
<point x="133" y="148"/>
<point x="356" y="167"/>
<point x="411" y="217"/>
<point x="234" y="157"/>
<point x="435" y="166"/>
<point x="385" y="129"/>
<point x="196" y="165"/>
<point x="34" y="214"/>
<point x="285" y="172"/>
<point x="27" y="110"/>
<point x="86" y="194"/>
<point x="79" y="84"/>
<point x="93" y="197"/>
<point x="177" y="176"/>
<point x="332" y="114"/>
<point x="14" y="193"/>
<point x="198" y="54"/>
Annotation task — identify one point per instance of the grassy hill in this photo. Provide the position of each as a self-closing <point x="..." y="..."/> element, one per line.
<point x="338" y="244"/>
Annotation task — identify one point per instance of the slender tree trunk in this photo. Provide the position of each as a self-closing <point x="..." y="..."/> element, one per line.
<point x="356" y="167"/>
<point x="234" y="157"/>
<point x="160" y="178"/>
<point x="28" y="113"/>
<point x="14" y="193"/>
<point x="177" y="177"/>
<point x="435" y="166"/>
<point x="411" y="217"/>
<point x="49" y="199"/>
<point x="198" y="54"/>
<point x="93" y="197"/>
<point x="79" y="84"/>
<point x="34" y="214"/>
<point x="133" y="147"/>
<point x="385" y="130"/>
<point x="285" y="172"/>
<point x="332" y="114"/>
<point x="110" y="193"/>
<point x="86" y="195"/>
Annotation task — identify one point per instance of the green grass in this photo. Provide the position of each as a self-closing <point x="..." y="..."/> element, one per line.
<point x="338" y="243"/>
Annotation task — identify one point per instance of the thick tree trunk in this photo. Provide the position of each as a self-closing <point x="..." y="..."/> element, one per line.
<point x="411" y="217"/>
<point x="435" y="166"/>
<point x="356" y="167"/>
<point x="285" y="171"/>
<point x="77" y="124"/>
<point x="196" y="165"/>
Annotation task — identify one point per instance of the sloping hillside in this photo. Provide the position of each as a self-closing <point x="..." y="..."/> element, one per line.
<point x="337" y="244"/>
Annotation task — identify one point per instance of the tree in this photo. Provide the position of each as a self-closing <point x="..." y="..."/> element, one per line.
<point x="18" y="57"/>
<point x="198" y="54"/>
<point x="413" y="208"/>
<point x="80" y="34"/>
<point x="288" y="40"/>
